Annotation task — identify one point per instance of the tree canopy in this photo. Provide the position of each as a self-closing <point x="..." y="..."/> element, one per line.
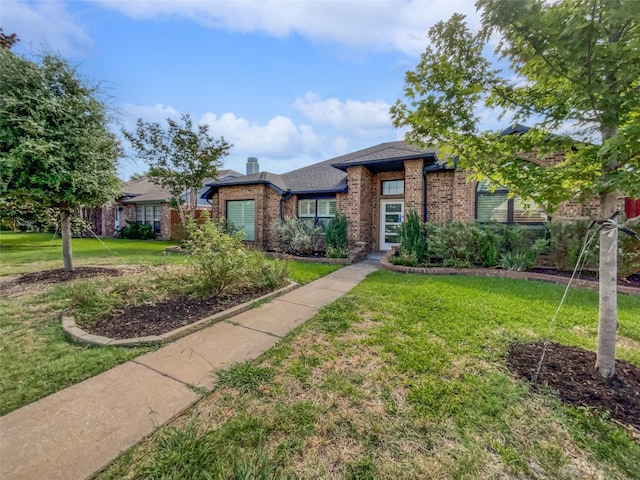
<point x="179" y="158"/>
<point x="573" y="76"/>
<point x="55" y="145"/>
<point x="573" y="70"/>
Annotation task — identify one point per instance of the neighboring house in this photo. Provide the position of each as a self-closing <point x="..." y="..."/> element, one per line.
<point x="145" y="202"/>
<point x="374" y="188"/>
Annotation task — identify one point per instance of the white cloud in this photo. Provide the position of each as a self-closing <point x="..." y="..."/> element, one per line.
<point x="350" y="116"/>
<point x="380" y="25"/>
<point x="279" y="138"/>
<point x="45" y="25"/>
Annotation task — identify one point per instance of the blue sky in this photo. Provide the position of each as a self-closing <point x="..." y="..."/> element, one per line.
<point x="290" y="82"/>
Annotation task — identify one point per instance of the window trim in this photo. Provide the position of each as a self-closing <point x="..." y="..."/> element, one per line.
<point x="510" y="205"/>
<point x="317" y="219"/>
<point x="155" y="221"/>
<point x="382" y="185"/>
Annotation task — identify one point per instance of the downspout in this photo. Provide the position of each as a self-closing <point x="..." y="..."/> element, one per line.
<point x="425" y="216"/>
<point x="286" y="196"/>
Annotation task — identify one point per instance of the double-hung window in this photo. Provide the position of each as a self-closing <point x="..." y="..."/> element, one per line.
<point x="149" y="215"/>
<point x="318" y="211"/>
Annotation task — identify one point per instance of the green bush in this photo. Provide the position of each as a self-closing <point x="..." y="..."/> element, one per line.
<point x="628" y="255"/>
<point x="138" y="231"/>
<point x="461" y="244"/>
<point x="520" y="260"/>
<point x="565" y="244"/>
<point x="296" y="237"/>
<point x="413" y="241"/>
<point x="219" y="260"/>
<point x="265" y="275"/>
<point x="335" y="240"/>
<point x="566" y="240"/>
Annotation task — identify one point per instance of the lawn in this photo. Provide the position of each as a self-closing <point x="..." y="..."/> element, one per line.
<point x="29" y="252"/>
<point x="36" y="356"/>
<point x="405" y="377"/>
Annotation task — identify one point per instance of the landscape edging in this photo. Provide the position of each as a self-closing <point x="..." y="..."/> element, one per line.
<point x="494" y="272"/>
<point x="77" y="334"/>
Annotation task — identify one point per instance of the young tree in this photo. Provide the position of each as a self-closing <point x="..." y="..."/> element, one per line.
<point x="55" y="147"/>
<point x="179" y="158"/>
<point x="575" y="64"/>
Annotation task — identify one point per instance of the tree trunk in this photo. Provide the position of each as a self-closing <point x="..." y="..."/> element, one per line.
<point x="608" y="274"/>
<point x="65" y="232"/>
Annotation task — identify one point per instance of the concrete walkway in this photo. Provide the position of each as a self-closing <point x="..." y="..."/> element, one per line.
<point x="74" y="433"/>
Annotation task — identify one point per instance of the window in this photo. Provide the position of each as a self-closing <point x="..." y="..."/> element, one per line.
<point x="242" y="214"/>
<point x="317" y="210"/>
<point x="393" y="187"/>
<point x="496" y="206"/>
<point x="149" y="215"/>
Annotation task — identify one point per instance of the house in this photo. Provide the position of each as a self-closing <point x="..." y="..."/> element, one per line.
<point x="374" y="188"/>
<point x="146" y="202"/>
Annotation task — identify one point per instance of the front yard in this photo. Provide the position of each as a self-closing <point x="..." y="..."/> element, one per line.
<point x="36" y="356"/>
<point x="405" y="377"/>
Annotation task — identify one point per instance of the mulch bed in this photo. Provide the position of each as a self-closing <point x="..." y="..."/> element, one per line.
<point x="162" y="317"/>
<point x="630" y="281"/>
<point x="570" y="371"/>
<point x="60" y="275"/>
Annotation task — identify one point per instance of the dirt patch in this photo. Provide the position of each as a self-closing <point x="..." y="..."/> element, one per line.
<point x="570" y="371"/>
<point x="162" y="317"/>
<point x="36" y="281"/>
<point x="60" y="275"/>
<point x="630" y="281"/>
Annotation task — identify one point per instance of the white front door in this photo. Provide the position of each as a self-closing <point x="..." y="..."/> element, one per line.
<point x="391" y="216"/>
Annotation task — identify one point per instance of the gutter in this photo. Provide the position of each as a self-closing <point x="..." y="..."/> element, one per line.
<point x="286" y="196"/>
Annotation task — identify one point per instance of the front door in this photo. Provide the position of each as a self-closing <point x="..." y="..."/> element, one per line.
<point x="391" y="216"/>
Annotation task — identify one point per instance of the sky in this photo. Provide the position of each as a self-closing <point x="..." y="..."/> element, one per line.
<point x="289" y="82"/>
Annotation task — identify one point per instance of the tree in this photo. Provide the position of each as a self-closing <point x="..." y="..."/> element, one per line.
<point x="575" y="64"/>
<point x="179" y="158"/>
<point x="55" y="148"/>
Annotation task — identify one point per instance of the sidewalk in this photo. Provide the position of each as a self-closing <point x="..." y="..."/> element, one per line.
<point x="76" y="432"/>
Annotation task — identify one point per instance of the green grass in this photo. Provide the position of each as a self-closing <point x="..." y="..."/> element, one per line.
<point x="304" y="272"/>
<point x="26" y="252"/>
<point x="36" y="357"/>
<point x="405" y="377"/>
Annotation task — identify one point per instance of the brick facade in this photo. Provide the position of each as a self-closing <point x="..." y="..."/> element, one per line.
<point x="449" y="195"/>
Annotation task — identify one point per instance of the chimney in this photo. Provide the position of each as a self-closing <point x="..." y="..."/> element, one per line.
<point x="252" y="165"/>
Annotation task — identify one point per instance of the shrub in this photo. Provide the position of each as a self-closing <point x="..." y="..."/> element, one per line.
<point x="413" y="241"/>
<point x="628" y="255"/>
<point x="522" y="260"/>
<point x="218" y="259"/>
<point x="263" y="274"/>
<point x="467" y="244"/>
<point x="335" y="239"/>
<point x="138" y="231"/>
<point x="565" y="244"/>
<point x="296" y="237"/>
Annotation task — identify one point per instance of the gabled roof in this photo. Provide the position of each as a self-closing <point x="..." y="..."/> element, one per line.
<point x="143" y="190"/>
<point x="383" y="153"/>
<point x="330" y="176"/>
<point x="517" y="128"/>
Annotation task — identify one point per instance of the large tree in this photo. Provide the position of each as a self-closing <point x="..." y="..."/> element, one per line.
<point x="573" y="67"/>
<point x="55" y="146"/>
<point x="179" y="158"/>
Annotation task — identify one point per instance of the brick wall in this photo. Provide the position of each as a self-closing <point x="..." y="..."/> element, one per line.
<point x="440" y="190"/>
<point x="360" y="204"/>
<point x="413" y="186"/>
<point x="258" y="193"/>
